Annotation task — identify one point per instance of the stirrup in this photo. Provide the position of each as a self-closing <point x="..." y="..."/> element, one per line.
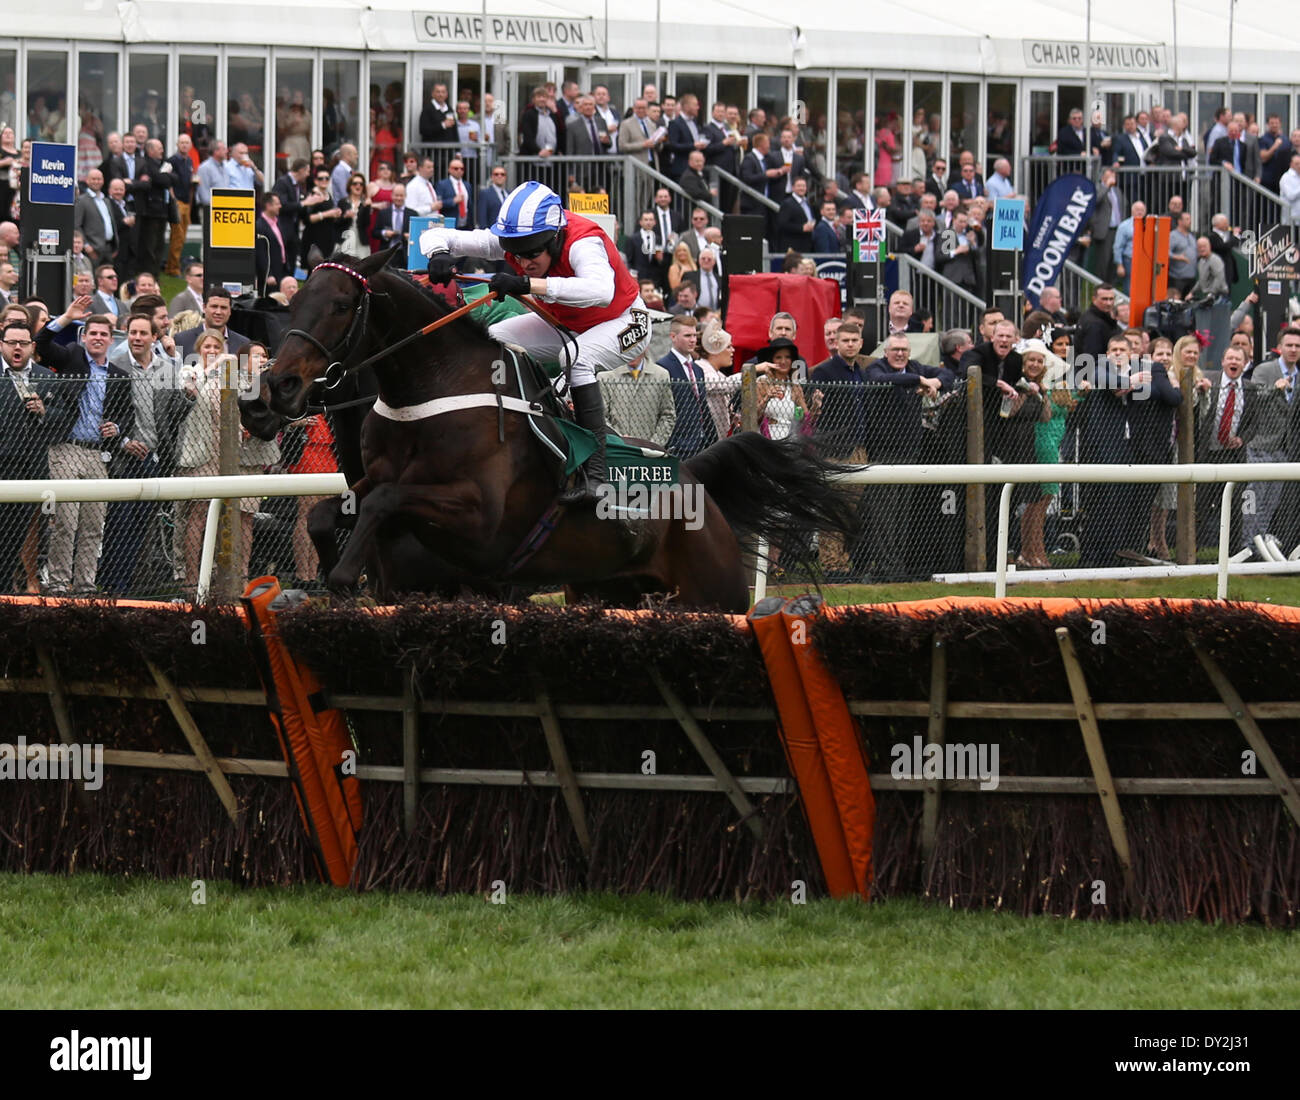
<point x="583" y="489"/>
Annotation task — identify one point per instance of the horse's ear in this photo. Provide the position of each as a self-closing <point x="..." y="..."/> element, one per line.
<point x="398" y="248"/>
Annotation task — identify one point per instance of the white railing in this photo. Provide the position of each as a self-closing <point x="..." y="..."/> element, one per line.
<point x="212" y="489"/>
<point x="1009" y="475"/>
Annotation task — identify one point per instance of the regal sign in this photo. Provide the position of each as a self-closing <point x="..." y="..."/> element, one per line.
<point x="531" y="34"/>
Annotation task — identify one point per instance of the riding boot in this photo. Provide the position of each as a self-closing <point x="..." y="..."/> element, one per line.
<point x="589" y="409"/>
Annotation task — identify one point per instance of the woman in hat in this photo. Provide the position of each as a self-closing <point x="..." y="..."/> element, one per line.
<point x="782" y="409"/>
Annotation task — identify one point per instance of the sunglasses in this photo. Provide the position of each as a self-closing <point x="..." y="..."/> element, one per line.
<point x="531" y="254"/>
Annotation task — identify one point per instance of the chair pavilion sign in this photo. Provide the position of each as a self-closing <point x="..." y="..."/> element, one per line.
<point x="1050" y="55"/>
<point x="452" y="30"/>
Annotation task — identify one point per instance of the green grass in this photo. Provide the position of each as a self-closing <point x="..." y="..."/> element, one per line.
<point x="1260" y="589"/>
<point x="98" y="942"/>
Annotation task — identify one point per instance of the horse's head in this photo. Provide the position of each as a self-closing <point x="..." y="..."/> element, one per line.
<point x="328" y="321"/>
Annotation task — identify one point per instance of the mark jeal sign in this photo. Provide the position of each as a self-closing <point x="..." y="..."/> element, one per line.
<point x="504" y="32"/>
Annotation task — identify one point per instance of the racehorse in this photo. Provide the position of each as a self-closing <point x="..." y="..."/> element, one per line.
<point x="460" y="470"/>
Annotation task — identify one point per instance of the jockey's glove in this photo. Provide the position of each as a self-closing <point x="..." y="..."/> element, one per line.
<point x="508" y="284"/>
<point x="440" y="265"/>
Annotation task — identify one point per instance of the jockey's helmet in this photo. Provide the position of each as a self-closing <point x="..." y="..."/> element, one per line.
<point x="529" y="219"/>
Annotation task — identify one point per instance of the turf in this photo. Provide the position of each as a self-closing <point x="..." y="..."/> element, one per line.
<point x="98" y="942"/>
<point x="1260" y="589"/>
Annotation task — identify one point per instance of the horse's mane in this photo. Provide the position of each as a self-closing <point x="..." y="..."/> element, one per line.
<point x="439" y="304"/>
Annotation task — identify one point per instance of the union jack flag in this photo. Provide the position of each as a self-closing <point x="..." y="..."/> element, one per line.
<point x="869" y="226"/>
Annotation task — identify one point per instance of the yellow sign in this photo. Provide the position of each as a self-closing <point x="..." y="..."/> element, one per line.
<point x="580" y="203"/>
<point x="231" y="220"/>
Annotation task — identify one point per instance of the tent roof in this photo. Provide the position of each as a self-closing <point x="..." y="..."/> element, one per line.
<point x="976" y="36"/>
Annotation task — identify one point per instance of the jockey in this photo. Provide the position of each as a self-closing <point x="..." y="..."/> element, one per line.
<point x="568" y="262"/>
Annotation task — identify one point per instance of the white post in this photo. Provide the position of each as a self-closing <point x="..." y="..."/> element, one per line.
<point x="1225" y="533"/>
<point x="1004" y="525"/>
<point x="209" y="550"/>
<point x="1232" y="23"/>
<point x="760" y="573"/>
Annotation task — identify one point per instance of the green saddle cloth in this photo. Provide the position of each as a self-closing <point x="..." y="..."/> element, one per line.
<point x="625" y="461"/>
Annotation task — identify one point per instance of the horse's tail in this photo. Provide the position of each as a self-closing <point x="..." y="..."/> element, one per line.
<point x="778" y="490"/>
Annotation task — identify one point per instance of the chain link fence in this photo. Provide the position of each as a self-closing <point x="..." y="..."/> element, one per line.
<point x="906" y="532"/>
<point x="149" y="427"/>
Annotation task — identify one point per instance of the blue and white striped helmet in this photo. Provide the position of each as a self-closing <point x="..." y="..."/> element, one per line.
<point x="530" y="217"/>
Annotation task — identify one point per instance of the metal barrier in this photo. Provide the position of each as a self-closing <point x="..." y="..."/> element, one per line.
<point x="1077" y="285"/>
<point x="1010" y="475"/>
<point x="723" y="176"/>
<point x="951" y="306"/>
<point x="590" y="175"/>
<point x="1037" y="172"/>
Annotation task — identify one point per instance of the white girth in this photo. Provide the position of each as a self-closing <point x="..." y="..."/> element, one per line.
<point x="440" y="405"/>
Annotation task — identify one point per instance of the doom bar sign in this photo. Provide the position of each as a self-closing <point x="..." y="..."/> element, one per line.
<point x="230" y="220"/>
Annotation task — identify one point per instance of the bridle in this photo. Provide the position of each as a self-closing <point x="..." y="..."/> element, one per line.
<point x="335" y="371"/>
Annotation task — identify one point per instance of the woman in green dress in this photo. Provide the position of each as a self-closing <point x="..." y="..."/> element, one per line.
<point x="1049" y="371"/>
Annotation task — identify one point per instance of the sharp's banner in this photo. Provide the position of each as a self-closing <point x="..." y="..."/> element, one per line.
<point x="1060" y="215"/>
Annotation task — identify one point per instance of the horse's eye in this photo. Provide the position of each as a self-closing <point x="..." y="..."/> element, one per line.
<point x="341" y="307"/>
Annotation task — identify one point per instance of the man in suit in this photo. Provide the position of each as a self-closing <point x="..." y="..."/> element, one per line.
<point x="695" y="236"/>
<point x="541" y="130"/>
<point x="152" y="191"/>
<point x="113" y="166"/>
<point x="825" y="238"/>
<point x="1130" y="149"/>
<point x="668" y="223"/>
<point x="491" y="198"/>
<point x="121" y="207"/>
<point x="191" y="298"/>
<point x="921" y="242"/>
<point x="386" y="226"/>
<point x="93" y="219"/>
<point x="105" y="300"/>
<point x="693" y="429"/>
<point x="1274" y="386"/>
<point x="438" y="119"/>
<point x="1071" y="141"/>
<point x="692" y="181"/>
<point x="643" y="252"/>
<point x="790" y="166"/>
<point x="1233" y="414"/>
<point x="755" y="173"/>
<point x="216" y="315"/>
<point x="795" y="220"/>
<point x="936" y="183"/>
<point x="290" y="189"/>
<point x="457" y="196"/>
<point x="27" y="390"/>
<point x="1114" y="514"/>
<point x="1106" y="217"/>
<point x="639" y="401"/>
<point x="635" y="133"/>
<point x="95" y="418"/>
<point x="1175" y="145"/>
<point x="685" y="135"/>
<point x="271" y="252"/>
<point x="724" y="151"/>
<point x="968" y="185"/>
<point x="584" y="131"/>
<point x="1233" y="151"/>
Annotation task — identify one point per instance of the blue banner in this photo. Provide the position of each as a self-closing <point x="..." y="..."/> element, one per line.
<point x="1060" y="215"/>
<point x="52" y="178"/>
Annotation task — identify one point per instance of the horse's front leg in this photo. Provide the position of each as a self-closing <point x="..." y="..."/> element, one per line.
<point x="330" y="515"/>
<point x="457" y="507"/>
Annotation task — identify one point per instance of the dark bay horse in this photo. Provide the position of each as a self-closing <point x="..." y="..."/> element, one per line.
<point x="471" y="483"/>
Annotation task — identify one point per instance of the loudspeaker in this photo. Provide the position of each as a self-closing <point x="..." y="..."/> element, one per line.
<point x="742" y="243"/>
